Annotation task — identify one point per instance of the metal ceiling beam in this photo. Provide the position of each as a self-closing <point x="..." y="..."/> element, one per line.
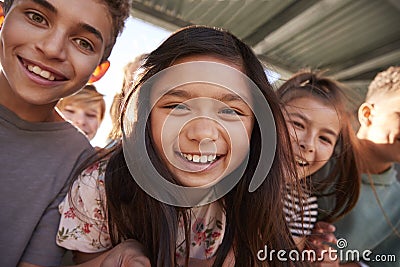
<point x="159" y="18"/>
<point x="375" y="63"/>
<point x="303" y="21"/>
<point x="372" y="54"/>
<point x="278" y="21"/>
<point x="395" y="3"/>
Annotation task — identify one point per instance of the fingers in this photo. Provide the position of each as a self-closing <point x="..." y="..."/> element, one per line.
<point x="322" y="227"/>
<point x="323" y="232"/>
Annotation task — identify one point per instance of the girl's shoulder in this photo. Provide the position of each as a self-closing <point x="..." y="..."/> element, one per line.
<point x="95" y="171"/>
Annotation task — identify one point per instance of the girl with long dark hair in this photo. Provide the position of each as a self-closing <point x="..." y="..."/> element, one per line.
<point x="204" y="127"/>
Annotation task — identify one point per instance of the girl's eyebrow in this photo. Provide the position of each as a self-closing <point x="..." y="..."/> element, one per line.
<point x="45" y="4"/>
<point x="304" y="118"/>
<point x="228" y="97"/>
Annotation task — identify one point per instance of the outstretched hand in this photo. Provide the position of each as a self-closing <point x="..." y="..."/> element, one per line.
<point x="130" y="253"/>
<point x="322" y="241"/>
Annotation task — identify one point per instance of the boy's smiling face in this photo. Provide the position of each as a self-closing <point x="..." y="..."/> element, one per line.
<point x="49" y="49"/>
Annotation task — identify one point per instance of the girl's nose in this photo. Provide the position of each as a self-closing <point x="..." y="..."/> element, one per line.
<point x="307" y="145"/>
<point x="202" y="129"/>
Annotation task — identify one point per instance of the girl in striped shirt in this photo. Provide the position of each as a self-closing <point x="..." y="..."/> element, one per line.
<point x="317" y="116"/>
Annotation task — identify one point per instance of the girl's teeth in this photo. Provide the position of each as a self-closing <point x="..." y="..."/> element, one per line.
<point x="200" y="159"/>
<point x="196" y="158"/>
<point x="203" y="159"/>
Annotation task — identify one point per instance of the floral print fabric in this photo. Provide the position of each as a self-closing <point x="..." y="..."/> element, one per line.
<point x="83" y="226"/>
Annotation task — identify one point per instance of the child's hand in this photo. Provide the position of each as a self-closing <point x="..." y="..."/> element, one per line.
<point x="321" y="241"/>
<point x="127" y="254"/>
<point x="323" y="233"/>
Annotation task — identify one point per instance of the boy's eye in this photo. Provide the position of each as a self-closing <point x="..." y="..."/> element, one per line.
<point x="69" y="111"/>
<point x="91" y="115"/>
<point x="84" y="44"/>
<point x="35" y="17"/>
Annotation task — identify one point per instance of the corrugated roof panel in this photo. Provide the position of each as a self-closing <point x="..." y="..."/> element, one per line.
<point x="355" y="38"/>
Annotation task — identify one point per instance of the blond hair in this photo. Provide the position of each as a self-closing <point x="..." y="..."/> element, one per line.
<point x="385" y="82"/>
<point x="88" y="96"/>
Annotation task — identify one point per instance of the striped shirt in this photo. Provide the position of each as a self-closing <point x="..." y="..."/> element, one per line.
<point x="300" y="216"/>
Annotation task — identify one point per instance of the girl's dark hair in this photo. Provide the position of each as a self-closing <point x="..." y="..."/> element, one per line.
<point x="343" y="177"/>
<point x="253" y="220"/>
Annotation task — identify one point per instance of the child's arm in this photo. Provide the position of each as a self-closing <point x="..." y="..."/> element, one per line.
<point x="81" y="257"/>
<point x="127" y="254"/>
<point x="83" y="224"/>
<point x="323" y="235"/>
<point x="229" y="261"/>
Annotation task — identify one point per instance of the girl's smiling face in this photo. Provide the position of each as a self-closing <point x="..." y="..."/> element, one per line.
<point x="201" y="130"/>
<point x="314" y="128"/>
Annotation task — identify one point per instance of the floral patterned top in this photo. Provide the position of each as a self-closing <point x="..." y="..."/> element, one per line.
<point x="83" y="226"/>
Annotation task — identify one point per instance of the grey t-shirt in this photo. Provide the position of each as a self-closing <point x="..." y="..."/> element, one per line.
<point x="36" y="162"/>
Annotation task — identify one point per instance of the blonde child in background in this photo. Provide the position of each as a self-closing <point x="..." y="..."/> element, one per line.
<point x="84" y="109"/>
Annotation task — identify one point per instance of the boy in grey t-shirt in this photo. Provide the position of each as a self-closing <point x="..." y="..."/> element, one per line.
<point x="48" y="50"/>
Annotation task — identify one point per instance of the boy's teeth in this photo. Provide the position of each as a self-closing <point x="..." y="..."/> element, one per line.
<point x="43" y="73"/>
<point x="200" y="159"/>
<point x="36" y="70"/>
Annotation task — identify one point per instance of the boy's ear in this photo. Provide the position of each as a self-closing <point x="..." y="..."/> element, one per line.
<point x="99" y="71"/>
<point x="1" y="14"/>
<point x="365" y="113"/>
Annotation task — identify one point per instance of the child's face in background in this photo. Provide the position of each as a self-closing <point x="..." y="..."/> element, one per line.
<point x="384" y="126"/>
<point x="86" y="117"/>
<point x="314" y="129"/>
<point x="201" y="131"/>
<point x="50" y="48"/>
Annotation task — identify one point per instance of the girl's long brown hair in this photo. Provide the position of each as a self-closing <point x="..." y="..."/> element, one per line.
<point x="343" y="180"/>
<point x="253" y="220"/>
